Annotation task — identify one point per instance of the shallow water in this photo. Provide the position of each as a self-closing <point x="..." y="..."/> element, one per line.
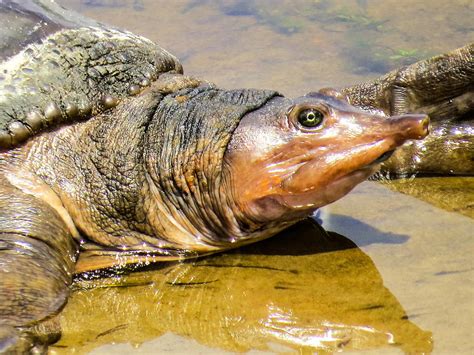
<point x="397" y="276"/>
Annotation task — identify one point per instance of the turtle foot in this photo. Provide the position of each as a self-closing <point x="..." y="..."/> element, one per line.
<point x="34" y="340"/>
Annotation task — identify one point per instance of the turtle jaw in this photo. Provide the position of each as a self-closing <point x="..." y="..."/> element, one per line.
<point x="306" y="202"/>
<point x="326" y="178"/>
<point x="385" y="156"/>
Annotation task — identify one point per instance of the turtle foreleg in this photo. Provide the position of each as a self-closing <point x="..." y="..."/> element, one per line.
<point x="37" y="256"/>
<point x="442" y="86"/>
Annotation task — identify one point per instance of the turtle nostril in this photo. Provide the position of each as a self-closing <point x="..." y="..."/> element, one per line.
<point x="425" y="124"/>
<point x="412" y="125"/>
<point x="418" y="126"/>
<point x="423" y="127"/>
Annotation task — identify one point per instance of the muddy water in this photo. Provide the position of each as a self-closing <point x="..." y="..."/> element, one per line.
<point x="393" y="275"/>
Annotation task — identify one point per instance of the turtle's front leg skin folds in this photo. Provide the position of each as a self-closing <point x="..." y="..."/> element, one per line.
<point x="37" y="256"/>
<point x="441" y="86"/>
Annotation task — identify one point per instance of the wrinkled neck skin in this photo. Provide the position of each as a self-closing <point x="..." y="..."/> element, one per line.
<point x="95" y="170"/>
<point x="188" y="204"/>
<point x="202" y="169"/>
<point x="125" y="183"/>
<point x="186" y="175"/>
<point x="282" y="171"/>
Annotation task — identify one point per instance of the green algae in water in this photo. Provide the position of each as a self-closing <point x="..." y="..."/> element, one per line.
<point x="365" y="49"/>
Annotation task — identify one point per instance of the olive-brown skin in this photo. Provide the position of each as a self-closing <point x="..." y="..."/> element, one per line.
<point x="443" y="88"/>
<point x="98" y="183"/>
<point x="79" y="168"/>
<point x="283" y="170"/>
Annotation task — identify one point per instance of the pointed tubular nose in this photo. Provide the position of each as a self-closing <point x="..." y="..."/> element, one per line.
<point x="413" y="126"/>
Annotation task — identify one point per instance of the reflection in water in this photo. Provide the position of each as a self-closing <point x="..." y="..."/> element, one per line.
<point x="305" y="289"/>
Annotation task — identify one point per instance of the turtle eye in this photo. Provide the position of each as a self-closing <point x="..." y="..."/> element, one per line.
<point x="310" y="118"/>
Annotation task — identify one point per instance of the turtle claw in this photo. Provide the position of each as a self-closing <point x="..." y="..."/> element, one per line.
<point x="34" y="340"/>
<point x="12" y="341"/>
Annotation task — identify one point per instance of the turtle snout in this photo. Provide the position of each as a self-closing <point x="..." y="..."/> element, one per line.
<point x="413" y="126"/>
<point x="423" y="125"/>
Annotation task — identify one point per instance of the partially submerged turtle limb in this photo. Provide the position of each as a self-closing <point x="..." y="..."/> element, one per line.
<point x="30" y="340"/>
<point x="442" y="87"/>
<point x="37" y="256"/>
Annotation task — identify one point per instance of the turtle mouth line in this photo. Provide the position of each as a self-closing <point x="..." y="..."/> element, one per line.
<point x="383" y="157"/>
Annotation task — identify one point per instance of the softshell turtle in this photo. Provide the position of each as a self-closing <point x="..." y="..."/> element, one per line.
<point x="107" y="148"/>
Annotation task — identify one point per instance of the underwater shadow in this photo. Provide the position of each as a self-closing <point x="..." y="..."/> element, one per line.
<point x="361" y="233"/>
<point x="305" y="290"/>
<point x="304" y="238"/>
<point x="309" y="237"/>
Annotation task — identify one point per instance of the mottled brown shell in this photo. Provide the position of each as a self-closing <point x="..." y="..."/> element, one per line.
<point x="68" y="69"/>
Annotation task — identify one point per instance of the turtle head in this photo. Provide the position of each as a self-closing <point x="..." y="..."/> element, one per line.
<point x="290" y="157"/>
